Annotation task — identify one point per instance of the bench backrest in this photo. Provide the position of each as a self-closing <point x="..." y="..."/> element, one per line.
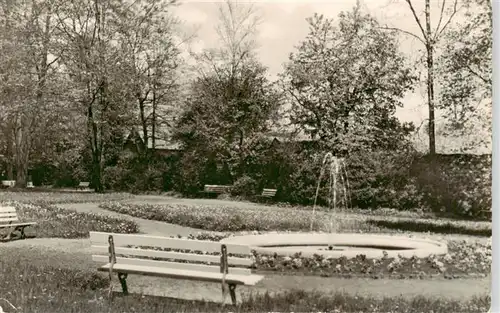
<point x="217" y="188"/>
<point x="8" y="215"/>
<point x="84" y="184"/>
<point x="269" y="192"/>
<point x="154" y="251"/>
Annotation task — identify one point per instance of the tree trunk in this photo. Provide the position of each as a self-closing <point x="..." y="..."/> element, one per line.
<point x="430" y="79"/>
<point x="22" y="151"/>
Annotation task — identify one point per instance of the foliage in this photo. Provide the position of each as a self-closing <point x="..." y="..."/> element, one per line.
<point x="137" y="173"/>
<point x="466" y="75"/>
<point x="345" y="82"/>
<point x="457" y="185"/>
<point x="61" y="223"/>
<point x="231" y="103"/>
<point x="245" y="186"/>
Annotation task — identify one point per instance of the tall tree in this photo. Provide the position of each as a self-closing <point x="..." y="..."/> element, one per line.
<point x="29" y="27"/>
<point x="430" y="37"/>
<point x="465" y="69"/>
<point x="231" y="101"/>
<point x="98" y="70"/>
<point x="345" y="82"/>
<point x="148" y="31"/>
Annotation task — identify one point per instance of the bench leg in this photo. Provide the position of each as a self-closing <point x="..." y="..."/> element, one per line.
<point x="16" y="233"/>
<point x="21" y="231"/>
<point x="232" y="292"/>
<point x="123" y="281"/>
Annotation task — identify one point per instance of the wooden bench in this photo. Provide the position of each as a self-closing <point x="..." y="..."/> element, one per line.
<point x="268" y="193"/>
<point x="83" y="185"/>
<point x="217" y="189"/>
<point x="10" y="219"/>
<point x="166" y="257"/>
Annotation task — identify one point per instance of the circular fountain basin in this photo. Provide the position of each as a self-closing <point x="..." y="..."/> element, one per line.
<point x="338" y="245"/>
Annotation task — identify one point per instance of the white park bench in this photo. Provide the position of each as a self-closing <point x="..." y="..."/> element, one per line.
<point x="268" y="193"/>
<point x="217" y="189"/>
<point x="83" y="185"/>
<point x="10" y="219"/>
<point x="166" y="257"/>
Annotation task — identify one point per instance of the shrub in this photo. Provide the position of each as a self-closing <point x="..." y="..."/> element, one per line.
<point x="245" y="186"/>
<point x="456" y="185"/>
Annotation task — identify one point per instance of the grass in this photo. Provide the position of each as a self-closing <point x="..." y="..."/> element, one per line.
<point x="55" y="283"/>
<point x="267" y="218"/>
<point x="62" y="223"/>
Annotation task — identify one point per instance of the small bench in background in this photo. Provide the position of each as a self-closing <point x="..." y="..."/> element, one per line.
<point x="217" y="189"/>
<point x="175" y="258"/>
<point x="268" y="193"/>
<point x="10" y="219"/>
<point x="83" y="185"/>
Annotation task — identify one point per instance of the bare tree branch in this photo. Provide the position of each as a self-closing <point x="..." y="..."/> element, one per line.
<point x="403" y="31"/>
<point x="417" y="19"/>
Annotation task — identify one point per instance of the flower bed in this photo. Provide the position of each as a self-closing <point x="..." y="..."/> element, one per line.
<point x="464" y="259"/>
<point x="60" y="197"/>
<point x="232" y="219"/>
<point x="61" y="223"/>
<point x="274" y="218"/>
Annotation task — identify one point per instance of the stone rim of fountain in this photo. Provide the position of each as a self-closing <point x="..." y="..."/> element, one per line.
<point x="375" y="246"/>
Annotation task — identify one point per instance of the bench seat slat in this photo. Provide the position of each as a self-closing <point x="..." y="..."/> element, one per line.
<point x="100" y="238"/>
<point x="7" y="209"/>
<point x="171" y="265"/>
<point x="5" y="215"/>
<point x="215" y="259"/>
<point x="248" y="280"/>
<point x="18" y="224"/>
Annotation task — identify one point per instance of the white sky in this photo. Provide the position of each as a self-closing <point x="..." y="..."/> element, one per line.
<point x="284" y="26"/>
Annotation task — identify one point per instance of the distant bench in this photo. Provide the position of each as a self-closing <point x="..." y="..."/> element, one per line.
<point x="217" y="189"/>
<point x="83" y="185"/>
<point x="10" y="219"/>
<point x="166" y="257"/>
<point x="268" y="193"/>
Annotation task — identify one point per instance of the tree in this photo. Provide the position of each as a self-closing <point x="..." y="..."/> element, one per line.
<point x="430" y="38"/>
<point x="153" y="56"/>
<point x="231" y="102"/>
<point x="465" y="68"/>
<point x="30" y="50"/>
<point x="345" y="82"/>
<point x="97" y="67"/>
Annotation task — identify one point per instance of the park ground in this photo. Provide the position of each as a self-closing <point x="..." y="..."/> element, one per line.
<point x="63" y="261"/>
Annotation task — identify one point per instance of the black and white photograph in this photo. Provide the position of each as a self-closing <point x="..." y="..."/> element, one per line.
<point x="248" y="156"/>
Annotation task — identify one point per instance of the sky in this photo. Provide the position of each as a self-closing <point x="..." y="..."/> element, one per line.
<point x="284" y="26"/>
